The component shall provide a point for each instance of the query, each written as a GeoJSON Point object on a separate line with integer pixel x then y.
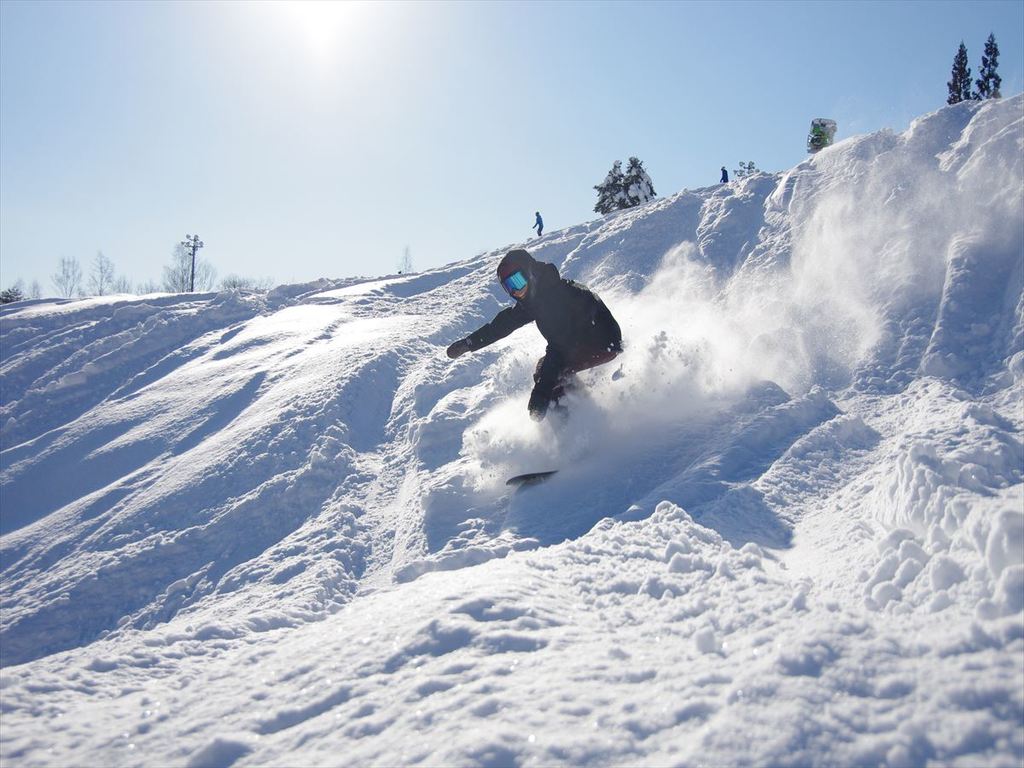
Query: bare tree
{"type": "Point", "coordinates": [68, 281]}
{"type": "Point", "coordinates": [150, 286]}
{"type": "Point", "coordinates": [121, 285]}
{"type": "Point", "coordinates": [236, 282]}
{"type": "Point", "coordinates": [405, 263]}
{"type": "Point", "coordinates": [101, 278]}
{"type": "Point", "coordinates": [36, 291]}
{"type": "Point", "coordinates": [178, 274]}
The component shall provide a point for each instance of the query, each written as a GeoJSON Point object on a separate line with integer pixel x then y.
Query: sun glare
{"type": "Point", "coordinates": [324, 26]}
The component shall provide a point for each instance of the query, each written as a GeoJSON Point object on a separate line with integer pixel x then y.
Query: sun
{"type": "Point", "coordinates": [323, 26]}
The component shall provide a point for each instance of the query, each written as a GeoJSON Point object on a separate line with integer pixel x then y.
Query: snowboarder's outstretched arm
{"type": "Point", "coordinates": [506, 321]}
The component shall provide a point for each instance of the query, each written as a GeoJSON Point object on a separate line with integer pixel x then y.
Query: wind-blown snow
{"type": "Point", "coordinates": [788, 526]}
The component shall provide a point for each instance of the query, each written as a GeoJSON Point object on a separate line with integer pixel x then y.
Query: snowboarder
{"type": "Point", "coordinates": [580, 331]}
{"type": "Point", "coordinates": [538, 224]}
{"type": "Point", "coordinates": [725, 176]}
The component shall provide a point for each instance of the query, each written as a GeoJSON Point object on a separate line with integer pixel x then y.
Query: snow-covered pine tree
{"type": "Point", "coordinates": [988, 83]}
{"type": "Point", "coordinates": [637, 184]}
{"type": "Point", "coordinates": [610, 192]}
{"type": "Point", "coordinates": [745, 169]}
{"type": "Point", "coordinates": [12, 294]}
{"type": "Point", "coordinates": [960, 84]}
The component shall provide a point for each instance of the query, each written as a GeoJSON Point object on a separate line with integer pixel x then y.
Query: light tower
{"type": "Point", "coordinates": [193, 243]}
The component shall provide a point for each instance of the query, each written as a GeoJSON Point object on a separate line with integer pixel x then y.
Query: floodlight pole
{"type": "Point", "coordinates": [193, 243]}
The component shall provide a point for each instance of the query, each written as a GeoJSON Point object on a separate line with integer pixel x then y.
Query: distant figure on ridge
{"type": "Point", "coordinates": [538, 225]}
{"type": "Point", "coordinates": [580, 331]}
{"type": "Point", "coordinates": [725, 176]}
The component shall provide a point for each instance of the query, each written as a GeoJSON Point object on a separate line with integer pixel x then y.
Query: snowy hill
{"type": "Point", "coordinates": [788, 528]}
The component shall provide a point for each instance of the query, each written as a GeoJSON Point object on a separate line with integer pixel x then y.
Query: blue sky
{"type": "Point", "coordinates": [306, 140]}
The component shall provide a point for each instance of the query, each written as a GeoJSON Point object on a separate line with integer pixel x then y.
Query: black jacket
{"type": "Point", "coordinates": [570, 316]}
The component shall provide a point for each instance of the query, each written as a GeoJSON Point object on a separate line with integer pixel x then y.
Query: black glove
{"type": "Point", "coordinates": [459, 348]}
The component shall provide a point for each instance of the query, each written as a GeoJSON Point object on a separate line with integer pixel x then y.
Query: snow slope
{"type": "Point", "coordinates": [788, 529]}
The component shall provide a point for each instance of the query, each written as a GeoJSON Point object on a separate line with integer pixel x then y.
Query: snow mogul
{"type": "Point", "coordinates": [580, 331]}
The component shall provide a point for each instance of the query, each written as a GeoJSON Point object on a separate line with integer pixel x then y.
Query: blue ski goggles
{"type": "Point", "coordinates": [514, 282]}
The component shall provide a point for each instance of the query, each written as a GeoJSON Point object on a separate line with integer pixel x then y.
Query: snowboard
{"type": "Point", "coordinates": [530, 478]}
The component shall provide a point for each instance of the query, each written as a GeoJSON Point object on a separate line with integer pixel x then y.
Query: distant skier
{"type": "Point", "coordinates": [538, 225]}
{"type": "Point", "coordinates": [725, 176]}
{"type": "Point", "coordinates": [580, 331]}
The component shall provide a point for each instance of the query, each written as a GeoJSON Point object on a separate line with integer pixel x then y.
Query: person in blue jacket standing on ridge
{"type": "Point", "coordinates": [725, 176]}
{"type": "Point", "coordinates": [538, 225]}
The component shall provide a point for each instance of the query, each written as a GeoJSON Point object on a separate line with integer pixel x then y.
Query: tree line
{"type": "Point", "coordinates": [70, 281]}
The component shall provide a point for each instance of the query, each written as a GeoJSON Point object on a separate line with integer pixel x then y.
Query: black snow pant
{"type": "Point", "coordinates": [553, 375]}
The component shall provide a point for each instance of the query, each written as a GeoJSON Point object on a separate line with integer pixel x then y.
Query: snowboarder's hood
{"type": "Point", "coordinates": [537, 272]}
{"type": "Point", "coordinates": [521, 259]}
{"type": "Point", "coordinates": [514, 261]}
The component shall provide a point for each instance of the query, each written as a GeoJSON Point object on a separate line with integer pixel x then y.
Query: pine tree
{"type": "Point", "coordinates": [12, 294]}
{"type": "Point", "coordinates": [746, 169]}
{"type": "Point", "coordinates": [610, 192]}
{"type": "Point", "coordinates": [960, 85]}
{"type": "Point", "coordinates": [637, 184]}
{"type": "Point", "coordinates": [988, 83]}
